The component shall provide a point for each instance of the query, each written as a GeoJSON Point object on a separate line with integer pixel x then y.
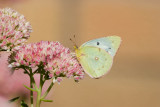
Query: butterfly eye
{"type": "Point", "coordinates": [97, 43]}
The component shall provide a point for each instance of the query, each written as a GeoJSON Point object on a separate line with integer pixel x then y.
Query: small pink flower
{"type": "Point", "coordinates": [58, 72]}
{"type": "Point", "coordinates": [50, 75]}
{"type": "Point", "coordinates": [59, 79]}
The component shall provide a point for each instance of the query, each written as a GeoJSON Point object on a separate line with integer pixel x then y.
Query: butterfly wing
{"type": "Point", "coordinates": [95, 61]}
{"type": "Point", "coordinates": [110, 44]}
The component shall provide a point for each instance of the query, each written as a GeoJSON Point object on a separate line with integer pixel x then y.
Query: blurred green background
{"type": "Point", "coordinates": [134, 80]}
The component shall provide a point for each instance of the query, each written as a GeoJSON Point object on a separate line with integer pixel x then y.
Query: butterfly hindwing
{"type": "Point", "coordinates": [95, 61]}
{"type": "Point", "coordinates": [110, 44]}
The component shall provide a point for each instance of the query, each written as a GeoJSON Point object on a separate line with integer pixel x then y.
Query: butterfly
{"type": "Point", "coordinates": [96, 56]}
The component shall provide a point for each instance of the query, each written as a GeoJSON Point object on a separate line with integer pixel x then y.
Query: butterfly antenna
{"type": "Point", "coordinates": [74, 41]}
{"type": "Point", "coordinates": [75, 46]}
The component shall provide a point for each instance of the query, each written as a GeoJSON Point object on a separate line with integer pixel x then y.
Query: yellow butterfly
{"type": "Point", "coordinates": [96, 56]}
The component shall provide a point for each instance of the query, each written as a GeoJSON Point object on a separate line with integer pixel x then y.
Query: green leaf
{"type": "Point", "coordinates": [13, 99]}
{"type": "Point", "coordinates": [46, 100]}
{"type": "Point", "coordinates": [30, 88]}
{"type": "Point", "coordinates": [23, 104]}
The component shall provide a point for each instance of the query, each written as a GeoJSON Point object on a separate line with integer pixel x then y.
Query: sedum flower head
{"type": "Point", "coordinates": [14, 29]}
{"type": "Point", "coordinates": [52, 56]}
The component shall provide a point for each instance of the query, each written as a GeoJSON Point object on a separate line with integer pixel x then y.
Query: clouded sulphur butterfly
{"type": "Point", "coordinates": [96, 56]}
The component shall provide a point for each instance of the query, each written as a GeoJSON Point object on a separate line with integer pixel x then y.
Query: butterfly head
{"type": "Point", "coordinates": [76, 49]}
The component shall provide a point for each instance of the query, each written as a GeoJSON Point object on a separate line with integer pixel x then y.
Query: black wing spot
{"type": "Point", "coordinates": [109, 48]}
{"type": "Point", "coordinates": [98, 43]}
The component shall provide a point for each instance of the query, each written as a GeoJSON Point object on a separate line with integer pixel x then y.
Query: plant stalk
{"type": "Point", "coordinates": [38, 102]}
{"type": "Point", "coordinates": [31, 86]}
{"type": "Point", "coordinates": [48, 90]}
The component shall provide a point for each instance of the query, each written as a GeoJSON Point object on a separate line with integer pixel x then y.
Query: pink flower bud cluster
{"type": "Point", "coordinates": [14, 29]}
{"type": "Point", "coordinates": [56, 59]}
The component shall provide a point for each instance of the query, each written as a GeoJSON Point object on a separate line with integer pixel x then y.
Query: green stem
{"type": "Point", "coordinates": [48, 90]}
{"type": "Point", "coordinates": [38, 102]}
{"type": "Point", "coordinates": [32, 82]}
{"type": "Point", "coordinates": [31, 89]}
{"type": "Point", "coordinates": [46, 100]}
{"type": "Point", "coordinates": [31, 86]}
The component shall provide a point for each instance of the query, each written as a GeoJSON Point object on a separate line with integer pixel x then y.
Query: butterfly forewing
{"type": "Point", "coordinates": [110, 44]}
{"type": "Point", "coordinates": [95, 61]}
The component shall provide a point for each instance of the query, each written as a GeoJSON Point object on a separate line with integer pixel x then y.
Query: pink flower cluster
{"type": "Point", "coordinates": [56, 59]}
{"type": "Point", "coordinates": [14, 29]}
